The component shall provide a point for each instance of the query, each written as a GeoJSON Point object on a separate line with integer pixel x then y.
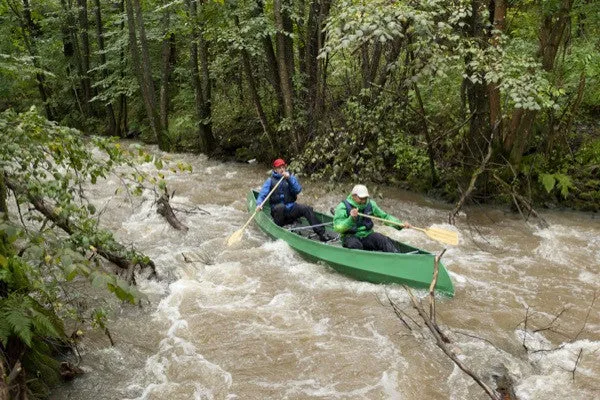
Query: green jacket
{"type": "Point", "coordinates": [342, 222]}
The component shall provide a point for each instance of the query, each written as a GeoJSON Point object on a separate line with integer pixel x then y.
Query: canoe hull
{"type": "Point", "coordinates": [415, 270]}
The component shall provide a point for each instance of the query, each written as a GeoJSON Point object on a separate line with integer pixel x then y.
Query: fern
{"type": "Point", "coordinates": [25, 318]}
{"type": "Point", "coordinates": [19, 322]}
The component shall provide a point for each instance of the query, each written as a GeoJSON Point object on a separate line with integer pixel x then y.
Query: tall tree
{"type": "Point", "coordinates": [30, 32]}
{"type": "Point", "coordinates": [85, 55]}
{"type": "Point", "coordinates": [143, 68]}
{"type": "Point", "coordinates": [113, 128]}
{"type": "Point", "coordinates": [167, 65]}
{"type": "Point", "coordinates": [201, 81]}
{"type": "Point", "coordinates": [554, 22]}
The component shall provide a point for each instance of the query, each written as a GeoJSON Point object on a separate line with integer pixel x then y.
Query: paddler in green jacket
{"type": "Point", "coordinates": [357, 231]}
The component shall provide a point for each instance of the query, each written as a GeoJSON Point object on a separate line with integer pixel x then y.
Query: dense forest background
{"type": "Point", "coordinates": [467, 100]}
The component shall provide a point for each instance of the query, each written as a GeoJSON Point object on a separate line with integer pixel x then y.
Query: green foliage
{"type": "Point", "coordinates": [47, 167]}
{"type": "Point", "coordinates": [371, 147]}
{"type": "Point", "coordinates": [519, 76]}
{"type": "Point", "coordinates": [559, 181]}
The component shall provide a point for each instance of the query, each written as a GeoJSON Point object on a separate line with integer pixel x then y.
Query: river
{"type": "Point", "coordinates": [256, 321]}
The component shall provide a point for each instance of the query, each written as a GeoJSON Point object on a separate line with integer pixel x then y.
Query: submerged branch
{"type": "Point", "coordinates": [124, 262]}
{"type": "Point", "coordinates": [520, 200]}
{"type": "Point", "coordinates": [164, 209]}
{"type": "Point", "coordinates": [442, 339]}
{"type": "Point", "coordinates": [441, 343]}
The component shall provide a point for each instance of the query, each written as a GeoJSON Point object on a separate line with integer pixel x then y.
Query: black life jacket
{"type": "Point", "coordinates": [360, 221]}
{"type": "Point", "coordinates": [283, 188]}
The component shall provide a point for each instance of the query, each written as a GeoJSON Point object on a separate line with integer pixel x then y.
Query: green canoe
{"type": "Point", "coordinates": [412, 267]}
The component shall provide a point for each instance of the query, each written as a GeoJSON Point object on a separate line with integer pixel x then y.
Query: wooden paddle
{"type": "Point", "coordinates": [237, 235]}
{"type": "Point", "coordinates": [439, 234]}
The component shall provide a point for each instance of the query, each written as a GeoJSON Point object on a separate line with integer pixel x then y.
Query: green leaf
{"type": "Point", "coordinates": [100, 280]}
{"type": "Point", "coordinates": [548, 181]}
{"type": "Point", "coordinates": [43, 325]}
{"type": "Point", "coordinates": [20, 323]}
{"type": "Point", "coordinates": [564, 183]}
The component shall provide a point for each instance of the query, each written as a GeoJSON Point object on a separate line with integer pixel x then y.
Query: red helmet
{"type": "Point", "coordinates": [278, 163]}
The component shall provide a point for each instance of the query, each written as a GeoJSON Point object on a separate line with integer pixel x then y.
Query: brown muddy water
{"type": "Point", "coordinates": [256, 321]}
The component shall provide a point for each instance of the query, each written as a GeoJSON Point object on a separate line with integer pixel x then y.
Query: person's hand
{"type": "Point", "coordinates": [259, 207]}
{"type": "Point", "coordinates": [354, 212]}
{"type": "Point", "coordinates": [286, 174]}
{"type": "Point", "coordinates": [407, 225]}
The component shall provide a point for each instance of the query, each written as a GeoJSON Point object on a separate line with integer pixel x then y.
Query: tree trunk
{"type": "Point", "coordinates": [30, 31]}
{"type": "Point", "coordinates": [551, 37]}
{"type": "Point", "coordinates": [318, 13]}
{"type": "Point", "coordinates": [499, 16]}
{"type": "Point", "coordinates": [255, 97]}
{"type": "Point", "coordinates": [282, 63]}
{"type": "Point", "coordinates": [3, 197]}
{"type": "Point", "coordinates": [72, 53]}
{"type": "Point", "coordinates": [122, 116]}
{"type": "Point", "coordinates": [430, 152]}
{"type": "Point", "coordinates": [375, 61]}
{"type": "Point", "coordinates": [381, 75]}
{"type": "Point", "coordinates": [477, 94]}
{"type": "Point", "coordinates": [208, 139]}
{"type": "Point", "coordinates": [285, 62]}
{"type": "Point", "coordinates": [3, 377]}
{"type": "Point", "coordinates": [202, 92]}
{"type": "Point", "coordinates": [272, 64]}
{"type": "Point", "coordinates": [143, 70]}
{"type": "Point", "coordinates": [110, 112]}
{"type": "Point", "coordinates": [85, 56]}
{"type": "Point", "coordinates": [301, 34]}
{"type": "Point", "coordinates": [167, 64]}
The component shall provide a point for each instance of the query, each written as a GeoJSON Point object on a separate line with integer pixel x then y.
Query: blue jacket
{"type": "Point", "coordinates": [286, 192]}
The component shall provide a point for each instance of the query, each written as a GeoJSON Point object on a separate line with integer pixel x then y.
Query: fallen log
{"type": "Point", "coordinates": [165, 209]}
{"type": "Point", "coordinates": [127, 262]}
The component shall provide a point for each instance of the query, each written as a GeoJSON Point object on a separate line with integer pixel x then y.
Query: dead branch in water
{"type": "Point", "coordinates": [521, 201]}
{"type": "Point", "coordinates": [587, 316]}
{"type": "Point", "coordinates": [442, 339]}
{"type": "Point", "coordinates": [398, 312]}
{"type": "Point", "coordinates": [68, 227]}
{"type": "Point", "coordinates": [550, 327]}
{"type": "Point", "coordinates": [478, 171]}
{"type": "Point", "coordinates": [436, 269]}
{"type": "Point", "coordinates": [576, 362]}
{"type": "Point", "coordinates": [164, 209]}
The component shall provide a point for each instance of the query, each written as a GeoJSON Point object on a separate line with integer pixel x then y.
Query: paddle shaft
{"type": "Point", "coordinates": [309, 226]}
{"type": "Point", "coordinates": [263, 203]}
{"type": "Point", "coordinates": [440, 235]}
{"type": "Point", "coordinates": [386, 221]}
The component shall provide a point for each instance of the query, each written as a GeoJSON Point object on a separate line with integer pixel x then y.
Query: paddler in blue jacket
{"type": "Point", "coordinates": [357, 231]}
{"type": "Point", "coordinates": [284, 208]}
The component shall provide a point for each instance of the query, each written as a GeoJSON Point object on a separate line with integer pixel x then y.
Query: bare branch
{"type": "Point", "coordinates": [577, 362]}
{"type": "Point", "coordinates": [586, 316]}
{"type": "Point", "coordinates": [440, 343]}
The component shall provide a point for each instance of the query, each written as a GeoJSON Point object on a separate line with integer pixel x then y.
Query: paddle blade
{"type": "Point", "coordinates": [235, 237]}
{"type": "Point", "coordinates": [442, 235]}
